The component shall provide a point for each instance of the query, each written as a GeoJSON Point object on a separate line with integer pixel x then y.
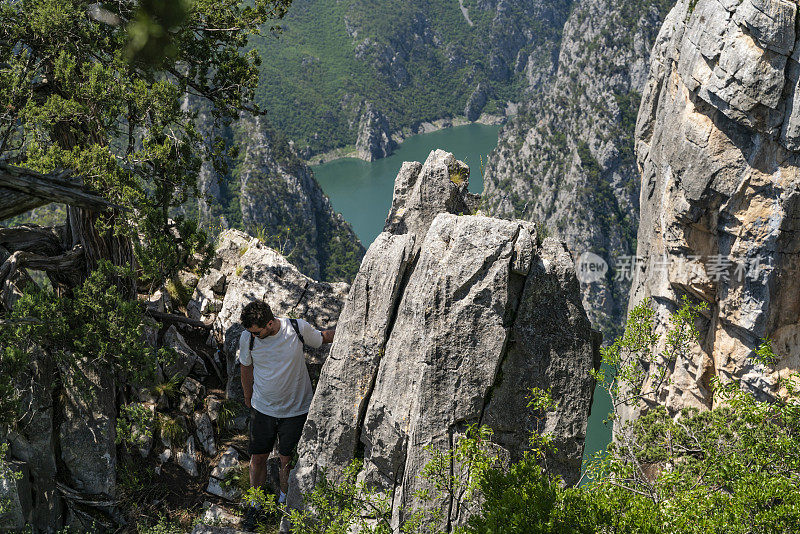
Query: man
{"type": "Point", "coordinates": [277, 388]}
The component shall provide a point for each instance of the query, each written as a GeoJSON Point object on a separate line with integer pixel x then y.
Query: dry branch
{"type": "Point", "coordinates": [171, 317]}
{"type": "Point", "coordinates": [13, 203]}
{"type": "Point", "coordinates": [69, 261]}
{"type": "Point", "coordinates": [35, 189]}
{"type": "Point", "coordinates": [30, 238]}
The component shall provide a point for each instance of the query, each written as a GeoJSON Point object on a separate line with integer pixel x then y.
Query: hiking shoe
{"type": "Point", "coordinates": [250, 518]}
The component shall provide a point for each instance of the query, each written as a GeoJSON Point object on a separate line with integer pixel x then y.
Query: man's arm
{"type": "Point", "coordinates": [247, 384]}
{"type": "Point", "coordinates": [327, 335]}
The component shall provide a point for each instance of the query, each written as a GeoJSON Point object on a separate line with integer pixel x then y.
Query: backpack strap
{"type": "Point", "coordinates": [297, 330]}
{"type": "Point", "coordinates": [294, 326]}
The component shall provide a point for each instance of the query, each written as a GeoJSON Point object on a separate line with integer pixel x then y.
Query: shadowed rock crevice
{"type": "Point", "coordinates": [362, 409]}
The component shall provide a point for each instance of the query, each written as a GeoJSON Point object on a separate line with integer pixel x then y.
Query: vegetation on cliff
{"type": "Point", "coordinates": [269, 192]}
{"type": "Point", "coordinates": [735, 468]}
{"type": "Point", "coordinates": [413, 61]}
{"type": "Point", "coordinates": [90, 113]}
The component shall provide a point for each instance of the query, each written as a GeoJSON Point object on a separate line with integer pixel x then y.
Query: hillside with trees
{"type": "Point", "coordinates": [409, 61]}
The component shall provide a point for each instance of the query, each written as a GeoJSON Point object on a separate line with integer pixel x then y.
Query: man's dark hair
{"type": "Point", "coordinates": [256, 314]}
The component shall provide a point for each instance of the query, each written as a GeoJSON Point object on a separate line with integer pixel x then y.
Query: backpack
{"type": "Point", "coordinates": [296, 331]}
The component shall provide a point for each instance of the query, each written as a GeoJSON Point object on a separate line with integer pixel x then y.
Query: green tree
{"type": "Point", "coordinates": [99, 108]}
{"type": "Point", "coordinates": [104, 93]}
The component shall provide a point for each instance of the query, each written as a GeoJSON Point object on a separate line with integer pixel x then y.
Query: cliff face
{"type": "Point", "coordinates": [566, 160]}
{"type": "Point", "coordinates": [449, 322]}
{"type": "Point", "coordinates": [374, 136]}
{"type": "Point", "coordinates": [273, 194]}
{"type": "Point", "coordinates": [717, 142]}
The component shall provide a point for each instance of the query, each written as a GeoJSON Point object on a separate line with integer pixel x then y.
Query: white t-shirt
{"type": "Point", "coordinates": [281, 385]}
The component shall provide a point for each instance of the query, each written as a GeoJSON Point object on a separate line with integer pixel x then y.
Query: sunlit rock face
{"type": "Point", "coordinates": [451, 320]}
{"type": "Point", "coordinates": [717, 139]}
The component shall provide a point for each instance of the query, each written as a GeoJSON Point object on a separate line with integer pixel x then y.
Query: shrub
{"type": "Point", "coordinates": [95, 326]}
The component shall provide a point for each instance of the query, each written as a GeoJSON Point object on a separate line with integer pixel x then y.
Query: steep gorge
{"type": "Point", "coordinates": [566, 160]}
{"type": "Point", "coordinates": [268, 191]}
{"type": "Point", "coordinates": [355, 73]}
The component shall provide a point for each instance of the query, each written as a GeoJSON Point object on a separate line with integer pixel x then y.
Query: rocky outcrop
{"type": "Point", "coordinates": [421, 192]}
{"type": "Point", "coordinates": [374, 139]}
{"type": "Point", "coordinates": [33, 447]}
{"type": "Point", "coordinates": [11, 518]}
{"type": "Point", "coordinates": [566, 159]}
{"type": "Point", "coordinates": [245, 270]}
{"type": "Point", "coordinates": [475, 103]}
{"type": "Point", "coordinates": [450, 321]}
{"type": "Point", "coordinates": [271, 193]}
{"type": "Point", "coordinates": [716, 141]}
{"type": "Point", "coordinates": [63, 445]}
{"type": "Point", "coordinates": [87, 434]}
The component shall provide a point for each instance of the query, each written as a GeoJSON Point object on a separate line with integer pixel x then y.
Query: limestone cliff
{"type": "Point", "coordinates": [450, 321]}
{"type": "Point", "coordinates": [717, 143]}
{"type": "Point", "coordinates": [374, 139]}
{"type": "Point", "coordinates": [566, 160]}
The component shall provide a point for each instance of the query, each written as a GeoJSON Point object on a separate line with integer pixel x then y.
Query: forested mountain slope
{"type": "Point", "coordinates": [337, 62]}
{"type": "Point", "coordinates": [269, 192]}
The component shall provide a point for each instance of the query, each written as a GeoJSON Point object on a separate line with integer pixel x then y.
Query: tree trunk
{"type": "Point", "coordinates": [81, 230]}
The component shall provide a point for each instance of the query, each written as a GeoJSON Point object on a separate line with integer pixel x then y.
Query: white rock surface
{"type": "Point", "coordinates": [205, 433]}
{"type": "Point", "coordinates": [227, 464]}
{"type": "Point", "coordinates": [187, 458]}
{"type": "Point", "coordinates": [441, 303]}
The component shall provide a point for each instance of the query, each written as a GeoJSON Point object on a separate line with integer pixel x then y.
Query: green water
{"type": "Point", "coordinates": [598, 433]}
{"type": "Point", "coordinates": [362, 193]}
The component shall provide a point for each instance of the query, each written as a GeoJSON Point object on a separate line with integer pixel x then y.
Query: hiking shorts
{"type": "Point", "coordinates": [264, 429]}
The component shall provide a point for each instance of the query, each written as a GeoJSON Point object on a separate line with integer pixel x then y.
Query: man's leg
{"type": "Point", "coordinates": [258, 469]}
{"type": "Point", "coordinates": [289, 432]}
{"type": "Point", "coordinates": [263, 431]}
